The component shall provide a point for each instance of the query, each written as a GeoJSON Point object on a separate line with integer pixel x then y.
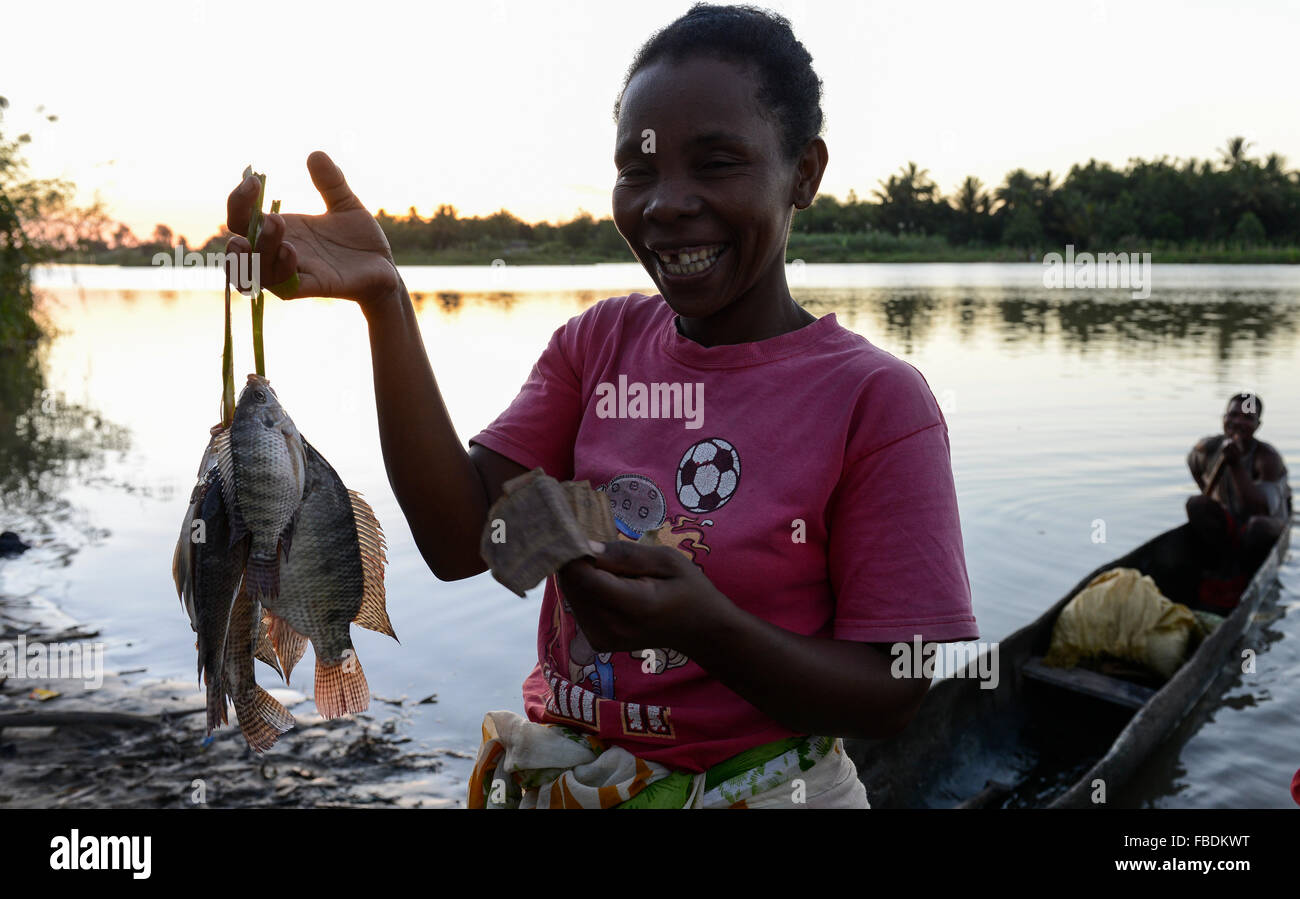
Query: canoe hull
{"type": "Point", "coordinates": [1052, 743]}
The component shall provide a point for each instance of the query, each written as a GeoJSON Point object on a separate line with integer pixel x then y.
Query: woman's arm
{"type": "Point", "coordinates": [812, 685]}
{"type": "Point", "coordinates": [627, 597]}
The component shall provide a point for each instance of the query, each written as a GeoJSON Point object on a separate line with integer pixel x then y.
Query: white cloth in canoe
{"type": "Point", "coordinates": [1122, 613]}
{"type": "Point", "coordinates": [559, 768]}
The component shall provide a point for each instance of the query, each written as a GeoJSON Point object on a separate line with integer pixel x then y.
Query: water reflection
{"type": "Point", "coordinates": [452, 302]}
{"type": "Point", "coordinates": [1018, 317]}
{"type": "Point", "coordinates": [1021, 319]}
{"type": "Point", "coordinates": [47, 445]}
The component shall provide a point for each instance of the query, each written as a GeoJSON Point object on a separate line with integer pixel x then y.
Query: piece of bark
{"type": "Point", "coordinates": [532, 531]}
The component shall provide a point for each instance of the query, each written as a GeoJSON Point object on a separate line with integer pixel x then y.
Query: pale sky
{"type": "Point", "coordinates": [504, 103]}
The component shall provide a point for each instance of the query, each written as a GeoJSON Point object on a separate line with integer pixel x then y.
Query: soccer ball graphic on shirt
{"type": "Point", "coordinates": [708, 475]}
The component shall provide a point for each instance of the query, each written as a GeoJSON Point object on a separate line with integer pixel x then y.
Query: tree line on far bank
{"type": "Point", "coordinates": [1217, 208]}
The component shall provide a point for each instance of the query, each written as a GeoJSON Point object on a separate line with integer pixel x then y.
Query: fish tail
{"type": "Point", "coordinates": [341, 687]}
{"type": "Point", "coordinates": [217, 707]}
{"type": "Point", "coordinates": [261, 718]}
{"type": "Point", "coordinates": [289, 645]}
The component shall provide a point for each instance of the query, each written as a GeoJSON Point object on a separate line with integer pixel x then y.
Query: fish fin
{"type": "Point", "coordinates": [289, 644]}
{"type": "Point", "coordinates": [296, 444]}
{"type": "Point", "coordinates": [176, 568]}
{"type": "Point", "coordinates": [265, 651]}
{"type": "Point", "coordinates": [286, 536]}
{"type": "Point", "coordinates": [373, 613]}
{"type": "Point", "coordinates": [341, 688]}
{"type": "Point", "coordinates": [262, 575]}
{"type": "Point", "coordinates": [225, 466]}
{"type": "Point", "coordinates": [262, 719]}
{"type": "Point", "coordinates": [226, 478]}
{"type": "Point", "coordinates": [190, 560]}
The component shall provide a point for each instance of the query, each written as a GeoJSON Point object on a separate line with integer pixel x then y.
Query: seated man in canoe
{"type": "Point", "coordinates": [1245, 500]}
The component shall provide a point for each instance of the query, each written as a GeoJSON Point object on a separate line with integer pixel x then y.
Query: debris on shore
{"type": "Point", "coordinates": [137, 742]}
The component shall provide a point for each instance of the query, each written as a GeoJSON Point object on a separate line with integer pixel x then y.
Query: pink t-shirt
{"type": "Point", "coordinates": [808, 475]}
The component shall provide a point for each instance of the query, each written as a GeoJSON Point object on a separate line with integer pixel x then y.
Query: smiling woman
{"type": "Point", "coordinates": [716, 656]}
{"type": "Point", "coordinates": [733, 110]}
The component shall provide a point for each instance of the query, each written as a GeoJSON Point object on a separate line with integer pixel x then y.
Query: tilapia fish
{"type": "Point", "coordinates": [216, 572]}
{"type": "Point", "coordinates": [261, 718]}
{"type": "Point", "coordinates": [263, 473]}
{"type": "Point", "coordinates": [182, 557]}
{"type": "Point", "coordinates": [208, 572]}
{"type": "Point", "coordinates": [333, 576]}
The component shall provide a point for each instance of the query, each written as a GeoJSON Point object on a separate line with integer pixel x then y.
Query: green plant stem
{"type": "Point", "coordinates": [228, 370]}
{"type": "Point", "coordinates": [258, 302]}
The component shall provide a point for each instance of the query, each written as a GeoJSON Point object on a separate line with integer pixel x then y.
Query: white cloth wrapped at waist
{"type": "Point", "coordinates": [522, 764]}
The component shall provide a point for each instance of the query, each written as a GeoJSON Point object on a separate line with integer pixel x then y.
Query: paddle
{"type": "Point", "coordinates": [1214, 474]}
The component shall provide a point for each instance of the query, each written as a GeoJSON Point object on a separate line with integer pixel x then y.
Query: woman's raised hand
{"type": "Point", "coordinates": [342, 253]}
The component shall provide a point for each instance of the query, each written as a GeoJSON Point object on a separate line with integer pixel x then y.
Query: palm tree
{"type": "Point", "coordinates": [1234, 152]}
{"type": "Point", "coordinates": [973, 205]}
{"type": "Point", "coordinates": [972, 199]}
{"type": "Point", "coordinates": [1017, 190]}
{"type": "Point", "coordinates": [903, 197]}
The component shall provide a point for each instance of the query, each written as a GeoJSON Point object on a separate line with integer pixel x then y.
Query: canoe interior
{"type": "Point", "coordinates": [1035, 737]}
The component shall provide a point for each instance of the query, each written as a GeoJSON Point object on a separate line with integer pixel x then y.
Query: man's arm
{"type": "Point", "coordinates": [1272, 482]}
{"type": "Point", "coordinates": [1271, 466]}
{"type": "Point", "coordinates": [1253, 499]}
{"type": "Point", "coordinates": [1196, 460]}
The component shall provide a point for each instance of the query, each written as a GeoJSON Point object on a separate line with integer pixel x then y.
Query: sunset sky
{"type": "Point", "coordinates": [501, 103]}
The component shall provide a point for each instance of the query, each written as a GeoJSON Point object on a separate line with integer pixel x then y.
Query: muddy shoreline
{"type": "Point", "coordinates": [140, 742]}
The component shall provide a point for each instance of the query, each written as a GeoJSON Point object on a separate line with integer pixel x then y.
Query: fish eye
{"type": "Point", "coordinates": [261, 395]}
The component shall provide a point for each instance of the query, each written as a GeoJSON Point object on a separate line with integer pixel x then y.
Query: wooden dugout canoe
{"type": "Point", "coordinates": [1043, 736]}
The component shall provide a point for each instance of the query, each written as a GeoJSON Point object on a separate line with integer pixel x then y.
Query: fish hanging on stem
{"type": "Point", "coordinates": [274, 551]}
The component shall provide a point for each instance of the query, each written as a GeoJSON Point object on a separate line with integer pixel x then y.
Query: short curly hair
{"type": "Point", "coordinates": [788, 86]}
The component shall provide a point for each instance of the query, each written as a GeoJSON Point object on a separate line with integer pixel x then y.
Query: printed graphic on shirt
{"type": "Point", "coordinates": [647, 721]}
{"type": "Point", "coordinates": [638, 506]}
{"type": "Point", "coordinates": [571, 702]}
{"type": "Point", "coordinates": [637, 503]}
{"type": "Point", "coordinates": [575, 705]}
{"type": "Point", "coordinates": [707, 477]}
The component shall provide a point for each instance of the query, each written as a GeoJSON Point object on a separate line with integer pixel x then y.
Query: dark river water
{"type": "Point", "coordinates": [1065, 408]}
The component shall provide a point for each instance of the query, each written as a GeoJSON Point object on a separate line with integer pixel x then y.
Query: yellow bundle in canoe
{"type": "Point", "coordinates": [1122, 614]}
